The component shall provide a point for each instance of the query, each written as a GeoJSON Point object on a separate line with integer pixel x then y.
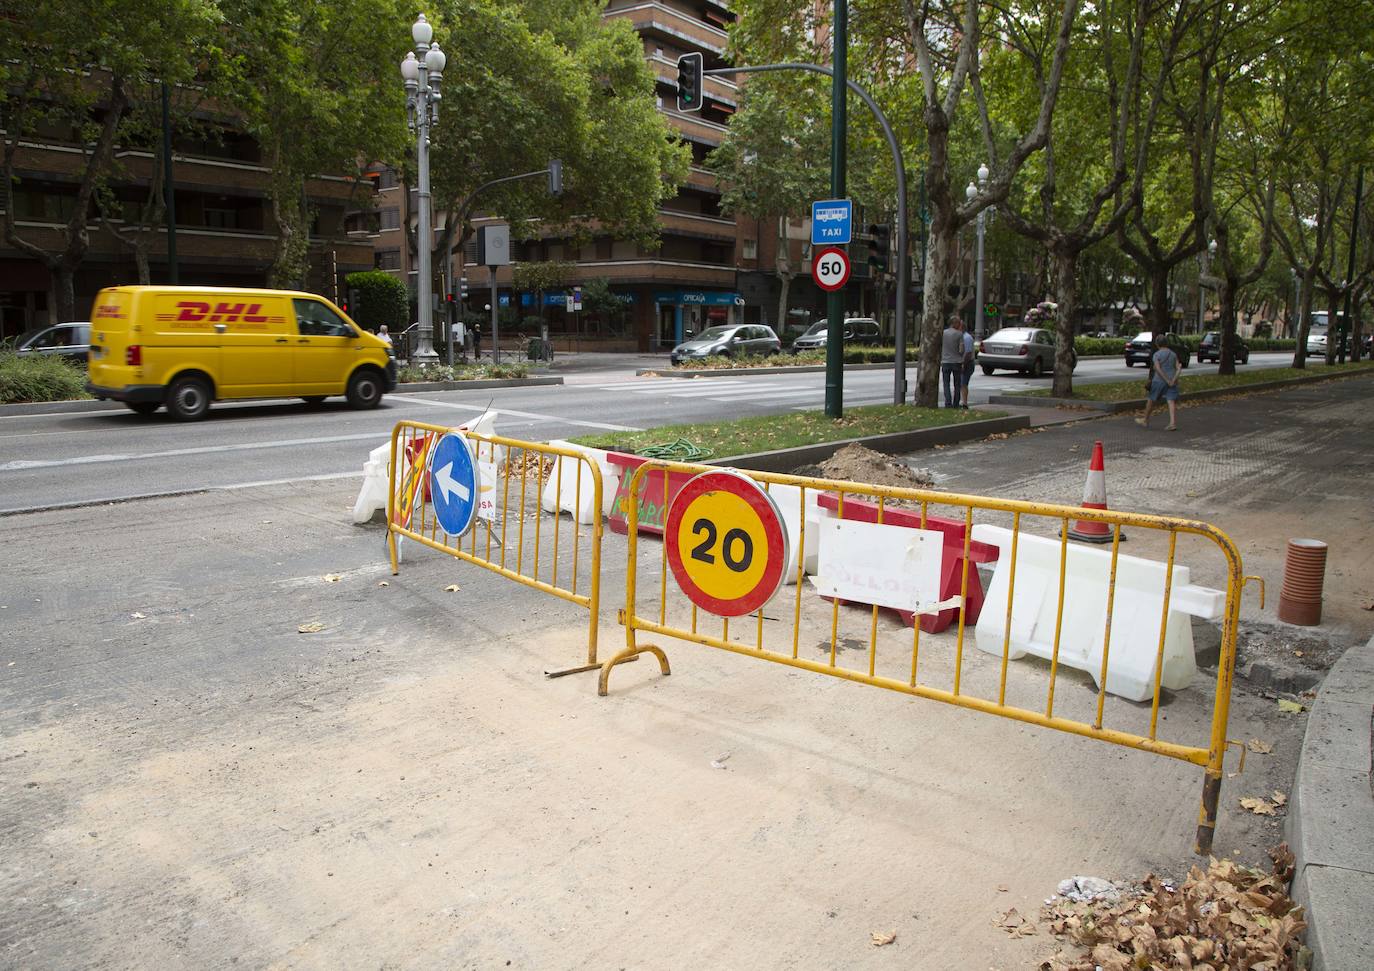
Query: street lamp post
{"type": "Point", "coordinates": [422, 75]}
{"type": "Point", "coordinates": [1297, 302]}
{"type": "Point", "coordinates": [970, 193]}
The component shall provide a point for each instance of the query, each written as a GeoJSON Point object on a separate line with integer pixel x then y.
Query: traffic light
{"type": "Point", "coordinates": [556, 177]}
{"type": "Point", "coordinates": [879, 247]}
{"type": "Point", "coordinates": [689, 73]}
{"type": "Point", "coordinates": [463, 289]}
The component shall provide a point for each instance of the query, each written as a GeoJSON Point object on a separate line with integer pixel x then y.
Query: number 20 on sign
{"type": "Point", "coordinates": [727, 546]}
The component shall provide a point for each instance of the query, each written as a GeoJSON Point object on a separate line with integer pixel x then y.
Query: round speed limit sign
{"type": "Point", "coordinates": [830, 268]}
{"type": "Point", "coordinates": [726, 543]}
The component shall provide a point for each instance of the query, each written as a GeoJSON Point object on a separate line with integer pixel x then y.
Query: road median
{"type": "Point", "coordinates": [1121, 396]}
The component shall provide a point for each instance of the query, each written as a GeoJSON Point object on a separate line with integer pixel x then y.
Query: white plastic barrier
{"type": "Point", "coordinates": [789, 503]}
{"type": "Point", "coordinates": [567, 499]}
{"type": "Point", "coordinates": [1136, 609]}
{"type": "Point", "coordinates": [372, 497]}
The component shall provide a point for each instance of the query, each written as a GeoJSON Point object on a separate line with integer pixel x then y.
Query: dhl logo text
{"type": "Point", "coordinates": [108, 310]}
{"type": "Point", "coordinates": [194, 310]}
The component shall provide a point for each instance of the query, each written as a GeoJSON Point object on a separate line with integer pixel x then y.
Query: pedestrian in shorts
{"type": "Point", "coordinates": [1163, 383]}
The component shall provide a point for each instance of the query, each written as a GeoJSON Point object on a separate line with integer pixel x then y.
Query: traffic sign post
{"type": "Point", "coordinates": [830, 268]}
{"type": "Point", "coordinates": [455, 484]}
{"type": "Point", "coordinates": [727, 546]}
{"type": "Point", "coordinates": [832, 222]}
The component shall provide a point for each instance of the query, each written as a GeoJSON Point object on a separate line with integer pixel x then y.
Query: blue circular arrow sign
{"type": "Point", "coordinates": [454, 484]}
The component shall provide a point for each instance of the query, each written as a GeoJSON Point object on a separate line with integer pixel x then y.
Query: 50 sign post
{"type": "Point", "coordinates": [726, 543]}
{"type": "Point", "coordinates": [830, 268]}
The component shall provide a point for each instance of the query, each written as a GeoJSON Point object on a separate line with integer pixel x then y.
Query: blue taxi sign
{"type": "Point", "coordinates": [832, 222]}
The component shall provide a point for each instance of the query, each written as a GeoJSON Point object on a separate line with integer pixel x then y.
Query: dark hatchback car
{"type": "Point", "coordinates": [1210, 348]}
{"type": "Point", "coordinates": [1141, 349]}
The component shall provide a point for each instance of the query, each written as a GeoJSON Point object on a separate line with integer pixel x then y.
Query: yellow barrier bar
{"type": "Point", "coordinates": [1211, 757]}
{"type": "Point", "coordinates": [1163, 631]}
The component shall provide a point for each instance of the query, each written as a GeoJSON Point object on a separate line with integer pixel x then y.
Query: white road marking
{"type": "Point", "coordinates": [725, 394]}
{"type": "Point", "coordinates": [22, 464]}
{"type": "Point", "coordinates": [518, 414]}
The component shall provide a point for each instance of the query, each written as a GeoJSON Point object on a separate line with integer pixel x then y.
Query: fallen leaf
{"type": "Point", "coordinates": [879, 940]}
{"type": "Point", "coordinates": [1002, 888]}
{"type": "Point", "coordinates": [719, 761]}
{"type": "Point", "coordinates": [1292, 707]}
{"type": "Point", "coordinates": [1297, 654]}
{"type": "Point", "coordinates": [137, 616]}
{"type": "Point", "coordinates": [1257, 806]}
{"type": "Point", "coordinates": [383, 583]}
{"type": "Point", "coordinates": [312, 628]}
{"type": "Point", "coordinates": [1280, 798]}
{"type": "Point", "coordinates": [1259, 746]}
{"type": "Point", "coordinates": [452, 588]}
{"type": "Point", "coordinates": [1016, 925]}
{"type": "Point", "coordinates": [332, 578]}
{"type": "Point", "coordinates": [1369, 606]}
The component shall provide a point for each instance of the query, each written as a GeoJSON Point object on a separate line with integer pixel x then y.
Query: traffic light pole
{"type": "Point", "coordinates": [903, 260]}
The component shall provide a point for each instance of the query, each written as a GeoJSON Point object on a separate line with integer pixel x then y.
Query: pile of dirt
{"type": "Point", "coordinates": [1227, 917]}
{"type": "Point", "coordinates": [855, 463]}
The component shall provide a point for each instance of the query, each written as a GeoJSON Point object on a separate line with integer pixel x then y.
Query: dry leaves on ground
{"type": "Point", "coordinates": [880, 940]}
{"type": "Point", "coordinates": [332, 578]}
{"type": "Point", "coordinates": [383, 583]}
{"type": "Point", "coordinates": [452, 588]}
{"type": "Point", "coordinates": [137, 615]}
{"type": "Point", "coordinates": [1259, 746]}
{"type": "Point", "coordinates": [1292, 707]}
{"type": "Point", "coordinates": [1015, 924]}
{"type": "Point", "coordinates": [1258, 806]}
{"type": "Point", "coordinates": [1229, 917]}
{"type": "Point", "coordinates": [312, 628]}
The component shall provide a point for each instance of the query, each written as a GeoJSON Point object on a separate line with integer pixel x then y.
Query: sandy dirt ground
{"type": "Point", "coordinates": [191, 783]}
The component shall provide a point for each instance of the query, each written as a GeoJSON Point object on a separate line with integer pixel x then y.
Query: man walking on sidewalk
{"type": "Point", "coordinates": [1163, 383]}
{"type": "Point", "coordinates": [967, 374]}
{"type": "Point", "coordinates": [952, 360]}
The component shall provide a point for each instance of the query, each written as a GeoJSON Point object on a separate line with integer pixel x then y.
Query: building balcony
{"type": "Point", "coordinates": [694, 129]}
{"type": "Point", "coordinates": [703, 180]}
{"type": "Point", "coordinates": [696, 225]}
{"type": "Point", "coordinates": [658, 20]}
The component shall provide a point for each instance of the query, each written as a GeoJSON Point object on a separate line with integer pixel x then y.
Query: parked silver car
{"type": "Point", "coordinates": [857, 330]}
{"type": "Point", "coordinates": [1029, 350]}
{"type": "Point", "coordinates": [728, 341]}
{"type": "Point", "coordinates": [70, 341]}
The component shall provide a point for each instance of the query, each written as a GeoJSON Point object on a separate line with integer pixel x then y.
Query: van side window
{"type": "Point", "coordinates": [316, 320]}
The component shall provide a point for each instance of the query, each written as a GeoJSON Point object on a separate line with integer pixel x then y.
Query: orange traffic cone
{"type": "Point", "coordinates": [1094, 497]}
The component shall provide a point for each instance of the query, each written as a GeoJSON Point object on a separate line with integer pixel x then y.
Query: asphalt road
{"type": "Point", "coordinates": [78, 457]}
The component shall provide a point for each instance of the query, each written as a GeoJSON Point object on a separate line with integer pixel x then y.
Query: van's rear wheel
{"type": "Point", "coordinates": [365, 389]}
{"type": "Point", "coordinates": [188, 399]}
{"type": "Point", "coordinates": [143, 407]}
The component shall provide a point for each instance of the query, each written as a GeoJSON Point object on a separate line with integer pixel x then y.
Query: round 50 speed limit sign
{"type": "Point", "coordinates": [726, 543]}
{"type": "Point", "coordinates": [830, 268]}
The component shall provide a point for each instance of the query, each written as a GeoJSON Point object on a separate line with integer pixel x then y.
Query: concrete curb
{"type": "Point", "coordinates": [668, 372]}
{"type": "Point", "coordinates": [787, 459]}
{"type": "Point", "coordinates": [91, 404]}
{"type": "Point", "coordinates": [475, 385]}
{"type": "Point", "coordinates": [1112, 407]}
{"type": "Point", "coordinates": [1331, 817]}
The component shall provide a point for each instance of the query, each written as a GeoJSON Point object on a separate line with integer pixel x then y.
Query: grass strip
{"type": "Point", "coordinates": [1135, 389]}
{"type": "Point", "coordinates": [765, 433]}
{"type": "Point", "coordinates": [40, 378]}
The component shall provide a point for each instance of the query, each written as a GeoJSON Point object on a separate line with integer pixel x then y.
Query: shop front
{"type": "Point", "coordinates": [681, 313]}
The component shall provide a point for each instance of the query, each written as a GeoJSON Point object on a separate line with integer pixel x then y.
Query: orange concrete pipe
{"type": "Point", "coordinates": [1304, 572]}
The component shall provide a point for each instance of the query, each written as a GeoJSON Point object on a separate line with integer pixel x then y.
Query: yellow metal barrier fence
{"type": "Point", "coordinates": [513, 539]}
{"type": "Point", "coordinates": [673, 616]}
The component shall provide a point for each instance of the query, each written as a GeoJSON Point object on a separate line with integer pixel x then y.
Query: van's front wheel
{"type": "Point", "coordinates": [365, 389]}
{"type": "Point", "coordinates": [188, 399]}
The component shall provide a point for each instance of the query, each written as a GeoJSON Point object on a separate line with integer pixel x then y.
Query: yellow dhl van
{"type": "Point", "coordinates": [184, 347]}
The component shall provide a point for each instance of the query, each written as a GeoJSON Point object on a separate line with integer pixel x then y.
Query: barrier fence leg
{"type": "Point", "coordinates": [1221, 708]}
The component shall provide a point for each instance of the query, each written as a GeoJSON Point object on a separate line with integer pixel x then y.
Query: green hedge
{"type": "Point", "coordinates": [39, 378]}
{"type": "Point", "coordinates": [1086, 346]}
{"type": "Point", "coordinates": [378, 298]}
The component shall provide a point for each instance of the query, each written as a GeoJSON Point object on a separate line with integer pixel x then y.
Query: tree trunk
{"type": "Point", "coordinates": [932, 317]}
{"type": "Point", "coordinates": [1066, 292]}
{"type": "Point", "coordinates": [782, 264]}
{"type": "Point", "coordinates": [145, 275]}
{"type": "Point", "coordinates": [64, 285]}
{"type": "Point", "coordinates": [1356, 327]}
{"type": "Point", "coordinates": [1160, 316]}
{"type": "Point", "coordinates": [1333, 327]}
{"type": "Point", "coordinates": [1226, 307]}
{"type": "Point", "coordinates": [1304, 320]}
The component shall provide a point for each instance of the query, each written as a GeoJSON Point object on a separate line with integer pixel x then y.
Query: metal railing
{"type": "Point", "coordinates": [515, 535]}
{"type": "Point", "coordinates": [939, 668]}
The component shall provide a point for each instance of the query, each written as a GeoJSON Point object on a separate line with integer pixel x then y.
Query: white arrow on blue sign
{"type": "Point", "coordinates": [832, 222]}
{"type": "Point", "coordinates": [455, 484]}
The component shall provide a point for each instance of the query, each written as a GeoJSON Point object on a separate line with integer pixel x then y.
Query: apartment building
{"type": "Point", "coordinates": [225, 233]}
{"type": "Point", "coordinates": [708, 269]}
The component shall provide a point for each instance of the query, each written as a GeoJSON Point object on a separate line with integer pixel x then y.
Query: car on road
{"type": "Point", "coordinates": [857, 330]}
{"type": "Point", "coordinates": [69, 341]}
{"type": "Point", "coordinates": [730, 340]}
{"type": "Point", "coordinates": [184, 347]}
{"type": "Point", "coordinates": [1141, 349]}
{"type": "Point", "coordinates": [1029, 350]}
{"type": "Point", "coordinates": [1210, 348]}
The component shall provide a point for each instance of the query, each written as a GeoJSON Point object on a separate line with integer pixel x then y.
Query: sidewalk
{"type": "Point", "coordinates": [1331, 821]}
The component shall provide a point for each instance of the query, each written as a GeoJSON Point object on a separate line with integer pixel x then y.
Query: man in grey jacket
{"type": "Point", "coordinates": [952, 360]}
